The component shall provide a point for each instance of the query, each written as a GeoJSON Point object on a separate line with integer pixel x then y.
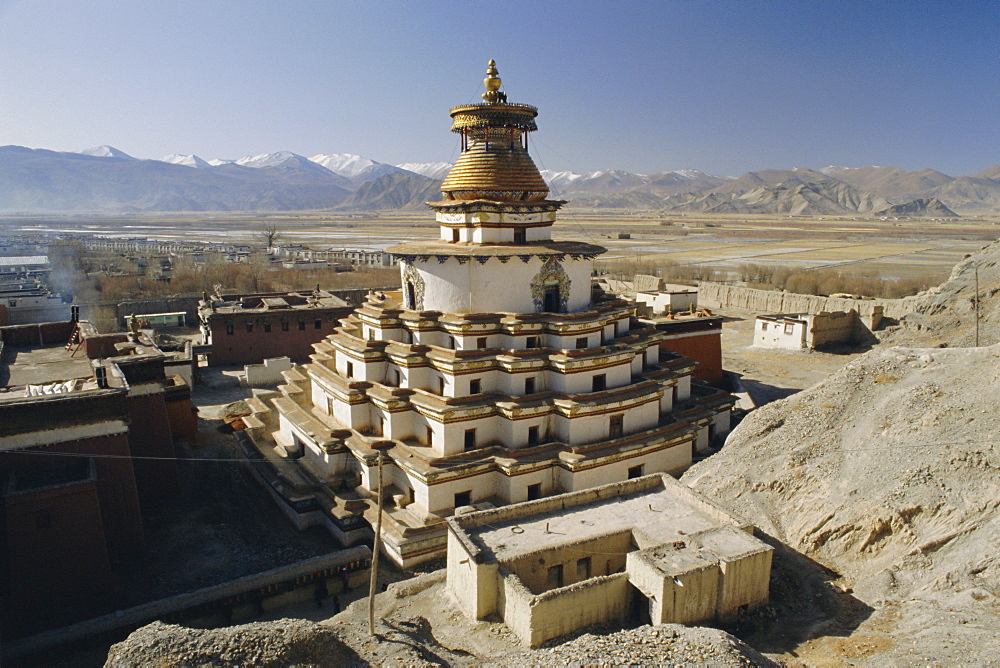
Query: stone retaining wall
{"type": "Point", "coordinates": [717, 295]}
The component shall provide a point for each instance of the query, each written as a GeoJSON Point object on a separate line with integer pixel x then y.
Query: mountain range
{"type": "Point", "coordinates": [106, 179]}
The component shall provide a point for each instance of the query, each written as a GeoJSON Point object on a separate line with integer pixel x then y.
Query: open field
{"type": "Point", "coordinates": [891, 248]}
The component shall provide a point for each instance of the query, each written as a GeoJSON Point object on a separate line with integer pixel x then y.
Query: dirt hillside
{"type": "Point", "coordinates": [888, 473]}
{"type": "Point", "coordinates": [945, 315]}
{"type": "Point", "coordinates": [419, 625]}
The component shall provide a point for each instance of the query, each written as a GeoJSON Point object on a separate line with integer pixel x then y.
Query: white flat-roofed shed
{"type": "Point", "coordinates": [554, 565]}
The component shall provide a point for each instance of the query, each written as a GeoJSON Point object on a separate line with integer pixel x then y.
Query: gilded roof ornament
{"type": "Point", "coordinates": [492, 82]}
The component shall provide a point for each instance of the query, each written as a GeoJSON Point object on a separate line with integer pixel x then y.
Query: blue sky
{"type": "Point", "coordinates": [724, 87]}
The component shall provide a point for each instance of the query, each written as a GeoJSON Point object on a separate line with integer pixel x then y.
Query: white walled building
{"type": "Point", "coordinates": [496, 375]}
{"type": "Point", "coordinates": [650, 545]}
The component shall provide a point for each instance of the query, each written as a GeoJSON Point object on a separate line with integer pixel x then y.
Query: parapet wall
{"type": "Point", "coordinates": [535, 619]}
{"type": "Point", "coordinates": [717, 295]}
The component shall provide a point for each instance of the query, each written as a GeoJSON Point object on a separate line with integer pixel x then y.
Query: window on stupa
{"type": "Point", "coordinates": [600, 383]}
{"type": "Point", "coordinates": [616, 426]}
{"type": "Point", "coordinates": [636, 471]}
{"type": "Point", "coordinates": [470, 439]}
{"type": "Point", "coordinates": [529, 385]}
{"type": "Point", "coordinates": [581, 342]}
{"type": "Point", "coordinates": [532, 435]}
{"type": "Point", "coordinates": [534, 491]}
{"type": "Point", "coordinates": [520, 236]}
{"type": "Point", "coordinates": [475, 386]}
{"type": "Point", "coordinates": [481, 342]}
{"type": "Point", "coordinates": [463, 498]}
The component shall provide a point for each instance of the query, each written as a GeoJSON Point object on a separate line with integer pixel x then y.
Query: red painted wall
{"type": "Point", "coordinates": [253, 346]}
{"type": "Point", "coordinates": [59, 569]}
{"type": "Point", "coordinates": [150, 435]}
{"type": "Point", "coordinates": [706, 349]}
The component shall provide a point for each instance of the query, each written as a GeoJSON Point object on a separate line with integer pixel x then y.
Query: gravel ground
{"type": "Point", "coordinates": [221, 525]}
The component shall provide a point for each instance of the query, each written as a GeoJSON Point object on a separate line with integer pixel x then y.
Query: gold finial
{"type": "Point", "coordinates": [492, 83]}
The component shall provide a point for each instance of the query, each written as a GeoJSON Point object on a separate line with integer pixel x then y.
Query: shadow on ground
{"type": "Point", "coordinates": [804, 604]}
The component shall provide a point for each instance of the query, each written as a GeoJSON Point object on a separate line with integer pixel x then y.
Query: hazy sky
{"type": "Point", "coordinates": [723, 87]}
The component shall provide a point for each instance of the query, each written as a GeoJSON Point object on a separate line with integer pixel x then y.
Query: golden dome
{"type": "Point", "coordinates": [494, 164]}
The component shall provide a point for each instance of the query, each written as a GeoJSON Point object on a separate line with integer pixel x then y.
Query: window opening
{"type": "Point", "coordinates": [532, 435]}
{"type": "Point", "coordinates": [229, 328]}
{"type": "Point", "coordinates": [475, 386]}
{"type": "Point", "coordinates": [635, 471]}
{"type": "Point", "coordinates": [550, 302]}
{"type": "Point", "coordinates": [529, 385]}
{"type": "Point", "coordinates": [470, 439]}
{"type": "Point", "coordinates": [463, 498]}
{"type": "Point", "coordinates": [581, 342]}
{"type": "Point", "coordinates": [600, 382]}
{"type": "Point", "coordinates": [534, 491]}
{"type": "Point", "coordinates": [411, 295]}
{"type": "Point", "coordinates": [554, 579]}
{"type": "Point", "coordinates": [617, 426]}
{"type": "Point", "coordinates": [532, 342]}
{"type": "Point", "coordinates": [481, 342]}
{"type": "Point", "coordinates": [583, 568]}
{"type": "Point", "coordinates": [520, 236]}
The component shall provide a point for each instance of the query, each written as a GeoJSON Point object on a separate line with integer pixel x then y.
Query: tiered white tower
{"type": "Point", "coordinates": [496, 375]}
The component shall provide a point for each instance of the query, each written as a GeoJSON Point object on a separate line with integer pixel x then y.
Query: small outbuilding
{"type": "Point", "coordinates": [811, 331]}
{"type": "Point", "coordinates": [648, 548]}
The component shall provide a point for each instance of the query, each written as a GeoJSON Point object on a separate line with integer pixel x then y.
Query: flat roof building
{"type": "Point", "coordinates": [649, 545]}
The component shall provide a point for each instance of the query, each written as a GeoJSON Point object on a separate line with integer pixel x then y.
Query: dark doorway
{"type": "Point", "coordinates": [534, 491]}
{"type": "Point", "coordinates": [616, 426]}
{"type": "Point", "coordinates": [551, 304]}
{"type": "Point", "coordinates": [463, 498]}
{"type": "Point", "coordinates": [638, 607]}
{"type": "Point", "coordinates": [411, 295]}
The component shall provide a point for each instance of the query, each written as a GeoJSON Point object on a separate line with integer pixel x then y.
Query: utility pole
{"type": "Point", "coordinates": [373, 583]}
{"type": "Point", "coordinates": [977, 306]}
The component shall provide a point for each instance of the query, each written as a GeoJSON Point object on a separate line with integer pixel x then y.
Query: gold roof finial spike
{"type": "Point", "coordinates": [492, 83]}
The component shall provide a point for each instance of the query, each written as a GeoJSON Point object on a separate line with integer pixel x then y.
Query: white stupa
{"type": "Point", "coordinates": [496, 375]}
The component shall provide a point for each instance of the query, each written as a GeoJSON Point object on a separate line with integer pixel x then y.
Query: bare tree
{"type": "Point", "coordinates": [269, 234]}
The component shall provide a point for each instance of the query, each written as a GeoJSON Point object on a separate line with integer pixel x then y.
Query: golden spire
{"type": "Point", "coordinates": [492, 83]}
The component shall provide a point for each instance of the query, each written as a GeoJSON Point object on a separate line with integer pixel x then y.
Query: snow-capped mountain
{"type": "Point", "coordinates": [281, 159]}
{"type": "Point", "coordinates": [432, 170]}
{"type": "Point", "coordinates": [186, 160]}
{"type": "Point", "coordinates": [354, 167]}
{"type": "Point", "coordinates": [215, 162]}
{"type": "Point", "coordinates": [105, 151]}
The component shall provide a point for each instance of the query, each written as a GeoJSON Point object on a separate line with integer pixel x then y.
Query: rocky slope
{"type": "Point", "coordinates": [887, 472]}
{"type": "Point", "coordinates": [418, 626]}
{"type": "Point", "coordinates": [945, 315]}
